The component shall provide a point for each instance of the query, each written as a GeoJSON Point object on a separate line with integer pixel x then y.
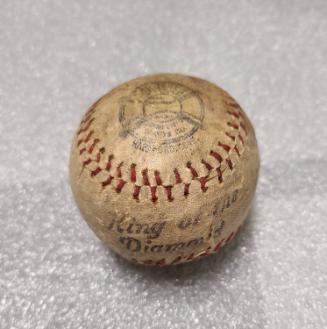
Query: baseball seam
{"type": "Point", "coordinates": [92, 152]}
{"type": "Point", "coordinates": [209, 251]}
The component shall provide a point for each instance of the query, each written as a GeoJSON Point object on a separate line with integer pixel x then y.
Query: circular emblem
{"type": "Point", "coordinates": [159, 114]}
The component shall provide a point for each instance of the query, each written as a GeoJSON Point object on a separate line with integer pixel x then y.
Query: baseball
{"type": "Point", "coordinates": [164, 168]}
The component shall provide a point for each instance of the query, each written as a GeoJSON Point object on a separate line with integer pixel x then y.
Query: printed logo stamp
{"type": "Point", "coordinates": [161, 116]}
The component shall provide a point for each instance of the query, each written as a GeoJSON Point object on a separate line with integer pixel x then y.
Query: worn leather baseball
{"type": "Point", "coordinates": [164, 168]}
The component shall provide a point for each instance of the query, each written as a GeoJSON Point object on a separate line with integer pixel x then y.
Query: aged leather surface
{"type": "Point", "coordinates": [164, 168]}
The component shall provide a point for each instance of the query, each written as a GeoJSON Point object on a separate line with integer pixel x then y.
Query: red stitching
{"type": "Point", "coordinates": [238, 229]}
{"type": "Point", "coordinates": [157, 177]}
{"type": "Point", "coordinates": [225, 147]}
{"type": "Point", "coordinates": [237, 150]}
{"type": "Point", "coordinates": [177, 176]}
{"type": "Point", "coordinates": [230, 237]}
{"type": "Point", "coordinates": [193, 171]}
{"type": "Point", "coordinates": [145, 177]}
{"type": "Point", "coordinates": [89, 136]}
{"type": "Point", "coordinates": [210, 231]}
{"type": "Point", "coordinates": [241, 113]}
{"type": "Point", "coordinates": [153, 190]}
{"type": "Point", "coordinates": [190, 257]}
{"type": "Point", "coordinates": [91, 108]}
{"type": "Point", "coordinates": [217, 156]}
{"type": "Point", "coordinates": [107, 181]}
{"type": "Point", "coordinates": [87, 162]}
{"type": "Point", "coordinates": [95, 142]}
{"type": "Point", "coordinates": [161, 262]}
{"type": "Point", "coordinates": [230, 163]}
{"type": "Point", "coordinates": [95, 171]}
{"type": "Point", "coordinates": [136, 193]}
{"type": "Point", "coordinates": [203, 182]}
{"type": "Point", "coordinates": [205, 253]}
{"type": "Point", "coordinates": [233, 104]}
{"type": "Point", "coordinates": [133, 172]}
{"type": "Point", "coordinates": [85, 127]}
{"type": "Point", "coordinates": [233, 125]}
{"type": "Point", "coordinates": [168, 191]}
{"type": "Point", "coordinates": [176, 260]}
{"type": "Point", "coordinates": [108, 165]}
{"type": "Point", "coordinates": [87, 117]}
{"type": "Point", "coordinates": [220, 175]}
{"type": "Point", "coordinates": [118, 170]}
{"type": "Point", "coordinates": [186, 189]}
{"type": "Point", "coordinates": [207, 165]}
{"type": "Point", "coordinates": [86, 139]}
{"type": "Point", "coordinates": [219, 245]}
{"type": "Point", "coordinates": [209, 251]}
{"type": "Point", "coordinates": [234, 114]}
{"type": "Point", "coordinates": [233, 138]}
{"type": "Point", "coordinates": [121, 183]}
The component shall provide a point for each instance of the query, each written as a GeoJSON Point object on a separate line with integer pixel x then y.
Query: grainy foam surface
{"type": "Point", "coordinates": [57, 57]}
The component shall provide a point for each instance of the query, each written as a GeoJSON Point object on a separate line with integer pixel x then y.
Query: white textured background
{"type": "Point", "coordinates": [57, 57]}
